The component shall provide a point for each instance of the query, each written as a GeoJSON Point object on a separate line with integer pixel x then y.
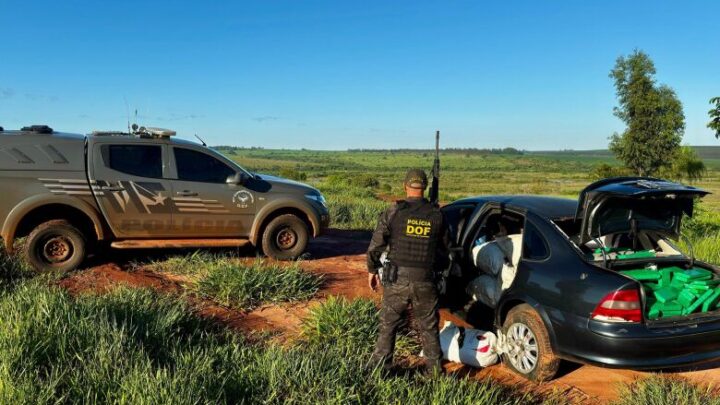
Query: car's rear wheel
{"type": "Point", "coordinates": [530, 353]}
{"type": "Point", "coordinates": [55, 246]}
{"type": "Point", "coordinates": [285, 237]}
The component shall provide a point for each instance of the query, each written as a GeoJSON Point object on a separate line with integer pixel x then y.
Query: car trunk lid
{"type": "Point", "coordinates": [633, 204]}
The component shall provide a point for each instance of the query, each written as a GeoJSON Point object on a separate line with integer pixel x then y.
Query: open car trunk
{"type": "Point", "coordinates": [626, 226]}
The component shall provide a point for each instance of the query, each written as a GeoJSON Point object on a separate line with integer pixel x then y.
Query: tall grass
{"type": "Point", "coordinates": [662, 390]}
{"type": "Point", "coordinates": [248, 285]}
{"type": "Point", "coordinates": [234, 282]}
{"type": "Point", "coordinates": [13, 268]}
{"type": "Point", "coordinates": [338, 321]}
{"type": "Point", "coordinates": [135, 346]}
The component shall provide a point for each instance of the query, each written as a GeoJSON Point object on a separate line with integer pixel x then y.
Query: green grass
{"type": "Point", "coordinates": [135, 346]}
{"type": "Point", "coordinates": [338, 321]}
{"type": "Point", "coordinates": [232, 282]}
{"type": "Point", "coordinates": [249, 285]}
{"type": "Point", "coordinates": [662, 390]}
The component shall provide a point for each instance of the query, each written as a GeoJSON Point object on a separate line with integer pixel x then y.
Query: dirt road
{"type": "Point", "coordinates": [339, 257]}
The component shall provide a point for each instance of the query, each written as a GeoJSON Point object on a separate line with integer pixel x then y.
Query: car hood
{"type": "Point", "coordinates": [627, 204]}
{"type": "Point", "coordinates": [287, 183]}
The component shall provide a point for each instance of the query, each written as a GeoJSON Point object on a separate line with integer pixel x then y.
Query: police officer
{"type": "Point", "coordinates": [415, 237]}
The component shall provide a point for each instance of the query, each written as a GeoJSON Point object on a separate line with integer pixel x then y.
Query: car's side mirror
{"type": "Point", "coordinates": [237, 178]}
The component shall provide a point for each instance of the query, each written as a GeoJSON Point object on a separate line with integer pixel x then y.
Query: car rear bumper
{"type": "Point", "coordinates": [640, 347]}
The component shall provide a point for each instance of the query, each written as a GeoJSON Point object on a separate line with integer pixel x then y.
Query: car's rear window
{"type": "Point", "coordinates": [135, 160]}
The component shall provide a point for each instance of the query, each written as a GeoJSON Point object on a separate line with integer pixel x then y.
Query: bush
{"type": "Point", "coordinates": [604, 171]}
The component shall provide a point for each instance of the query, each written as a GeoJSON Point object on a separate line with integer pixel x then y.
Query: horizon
{"type": "Point", "coordinates": [323, 75]}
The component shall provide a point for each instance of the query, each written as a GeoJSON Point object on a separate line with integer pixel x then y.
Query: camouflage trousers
{"type": "Point", "coordinates": [396, 297]}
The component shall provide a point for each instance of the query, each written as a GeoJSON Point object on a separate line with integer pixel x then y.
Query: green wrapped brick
{"type": "Point", "coordinates": [642, 275]}
{"type": "Point", "coordinates": [711, 301]}
{"type": "Point", "coordinates": [655, 310]}
{"type": "Point", "coordinates": [643, 254]}
{"type": "Point", "coordinates": [697, 288]}
{"type": "Point", "coordinates": [672, 306]}
{"type": "Point", "coordinates": [693, 274]}
{"type": "Point", "coordinates": [667, 314]}
{"type": "Point", "coordinates": [666, 294]}
{"type": "Point", "coordinates": [686, 298]}
{"type": "Point", "coordinates": [689, 310]}
{"type": "Point", "coordinates": [709, 283]}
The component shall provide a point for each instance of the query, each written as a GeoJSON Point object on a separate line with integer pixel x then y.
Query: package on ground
{"type": "Point", "coordinates": [473, 347]}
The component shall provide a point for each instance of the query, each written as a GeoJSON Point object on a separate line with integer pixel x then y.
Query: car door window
{"type": "Point", "coordinates": [135, 160]}
{"type": "Point", "coordinates": [197, 166]}
{"type": "Point", "coordinates": [456, 217]}
{"type": "Point", "coordinates": [534, 245]}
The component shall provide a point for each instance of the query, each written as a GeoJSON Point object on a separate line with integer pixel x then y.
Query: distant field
{"type": "Point", "coordinates": [560, 173]}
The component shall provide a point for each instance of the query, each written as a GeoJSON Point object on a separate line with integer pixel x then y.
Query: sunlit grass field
{"type": "Point", "coordinates": [140, 346]}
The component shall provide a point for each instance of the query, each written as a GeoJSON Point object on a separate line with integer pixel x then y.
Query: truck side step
{"type": "Point", "coordinates": [178, 243]}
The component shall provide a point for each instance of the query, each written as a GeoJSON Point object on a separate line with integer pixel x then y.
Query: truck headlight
{"type": "Point", "coordinates": [318, 198]}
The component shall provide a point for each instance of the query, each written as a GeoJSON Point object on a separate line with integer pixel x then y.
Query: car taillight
{"type": "Point", "coordinates": [619, 306]}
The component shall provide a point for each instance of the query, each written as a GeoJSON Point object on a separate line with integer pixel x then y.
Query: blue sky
{"type": "Point", "coordinates": [350, 74]}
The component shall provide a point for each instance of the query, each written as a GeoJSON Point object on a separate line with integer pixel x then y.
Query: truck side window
{"type": "Point", "coordinates": [534, 245]}
{"type": "Point", "coordinates": [198, 166]}
{"type": "Point", "coordinates": [135, 160]}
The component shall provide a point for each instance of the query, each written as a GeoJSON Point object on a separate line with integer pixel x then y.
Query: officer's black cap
{"type": "Point", "coordinates": [416, 178]}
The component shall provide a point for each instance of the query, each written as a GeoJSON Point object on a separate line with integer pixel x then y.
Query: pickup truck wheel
{"type": "Point", "coordinates": [285, 237]}
{"type": "Point", "coordinates": [530, 353]}
{"type": "Point", "coordinates": [55, 246]}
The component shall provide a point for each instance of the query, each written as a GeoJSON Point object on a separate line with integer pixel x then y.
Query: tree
{"type": "Point", "coordinates": [687, 165]}
{"type": "Point", "coordinates": [714, 114]}
{"type": "Point", "coordinates": [653, 115]}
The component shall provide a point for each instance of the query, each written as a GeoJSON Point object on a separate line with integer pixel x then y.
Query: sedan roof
{"type": "Point", "coordinates": [549, 207]}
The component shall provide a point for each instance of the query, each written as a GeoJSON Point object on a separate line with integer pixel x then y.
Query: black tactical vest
{"type": "Point", "coordinates": [414, 233]}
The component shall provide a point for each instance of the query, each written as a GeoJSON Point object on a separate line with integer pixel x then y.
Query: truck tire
{"type": "Point", "coordinates": [531, 354]}
{"type": "Point", "coordinates": [55, 246]}
{"type": "Point", "coordinates": [285, 237]}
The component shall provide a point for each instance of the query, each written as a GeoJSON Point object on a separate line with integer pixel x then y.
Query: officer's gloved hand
{"type": "Point", "coordinates": [480, 241]}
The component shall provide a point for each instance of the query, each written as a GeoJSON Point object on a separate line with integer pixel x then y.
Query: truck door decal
{"type": "Point", "coordinates": [194, 204]}
{"type": "Point", "coordinates": [149, 198]}
{"type": "Point", "coordinates": [71, 186]}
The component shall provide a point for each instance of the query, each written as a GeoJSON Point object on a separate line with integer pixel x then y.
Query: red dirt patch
{"type": "Point", "coordinates": [103, 278]}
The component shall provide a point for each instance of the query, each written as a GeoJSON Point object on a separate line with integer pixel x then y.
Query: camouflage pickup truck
{"type": "Point", "coordinates": [69, 194]}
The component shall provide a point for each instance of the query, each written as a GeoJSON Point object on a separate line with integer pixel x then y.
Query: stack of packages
{"type": "Point", "coordinates": [673, 291]}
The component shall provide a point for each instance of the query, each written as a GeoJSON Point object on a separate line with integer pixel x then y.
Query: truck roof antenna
{"type": "Point", "coordinates": [201, 140]}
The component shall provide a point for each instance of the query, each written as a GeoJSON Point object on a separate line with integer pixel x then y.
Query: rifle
{"type": "Point", "coordinates": [434, 194]}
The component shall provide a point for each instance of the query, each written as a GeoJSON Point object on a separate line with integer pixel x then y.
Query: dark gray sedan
{"type": "Point", "coordinates": [561, 294]}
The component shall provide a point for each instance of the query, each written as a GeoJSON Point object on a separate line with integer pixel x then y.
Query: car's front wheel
{"type": "Point", "coordinates": [529, 352]}
{"type": "Point", "coordinates": [55, 246]}
{"type": "Point", "coordinates": [285, 237]}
